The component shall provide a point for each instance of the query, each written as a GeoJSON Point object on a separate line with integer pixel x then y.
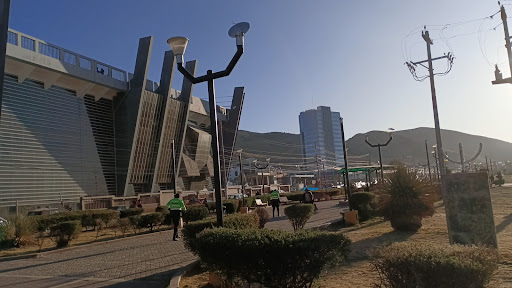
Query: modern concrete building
{"type": "Point", "coordinates": [72, 126]}
{"type": "Point", "coordinates": [320, 132]}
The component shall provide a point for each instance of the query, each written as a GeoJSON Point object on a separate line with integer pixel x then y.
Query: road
{"type": "Point", "coordinates": [142, 261]}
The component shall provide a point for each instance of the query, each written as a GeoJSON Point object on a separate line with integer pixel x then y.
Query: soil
{"type": "Point", "coordinates": [358, 271]}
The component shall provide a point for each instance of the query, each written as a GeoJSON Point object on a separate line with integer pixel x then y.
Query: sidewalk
{"type": "Point", "coordinates": [144, 261]}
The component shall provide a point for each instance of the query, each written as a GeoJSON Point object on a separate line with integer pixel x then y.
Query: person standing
{"type": "Point", "coordinates": [176, 207]}
{"type": "Point", "coordinates": [274, 200]}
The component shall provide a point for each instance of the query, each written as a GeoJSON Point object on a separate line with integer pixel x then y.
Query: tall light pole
{"type": "Point", "coordinates": [378, 145]}
{"type": "Point", "coordinates": [241, 177]}
{"type": "Point", "coordinates": [178, 46]}
{"type": "Point", "coordinates": [262, 168]}
{"type": "Point", "coordinates": [345, 179]}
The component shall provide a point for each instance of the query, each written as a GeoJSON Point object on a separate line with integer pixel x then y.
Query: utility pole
{"type": "Point", "coordinates": [428, 161]}
{"type": "Point", "coordinates": [323, 172]}
{"type": "Point", "coordinates": [497, 72]}
{"type": "Point", "coordinates": [4, 28]}
{"type": "Point", "coordinates": [412, 67]}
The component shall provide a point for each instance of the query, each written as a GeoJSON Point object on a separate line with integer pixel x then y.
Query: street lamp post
{"type": "Point", "coordinates": [345, 163]}
{"type": "Point", "coordinates": [262, 168]}
{"type": "Point", "coordinates": [241, 177]}
{"type": "Point", "coordinates": [178, 46]}
{"type": "Point", "coordinates": [378, 145]}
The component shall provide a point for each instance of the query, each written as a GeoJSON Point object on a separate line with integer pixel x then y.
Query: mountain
{"type": "Point", "coordinates": [407, 146]}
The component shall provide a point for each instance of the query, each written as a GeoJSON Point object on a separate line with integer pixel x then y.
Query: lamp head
{"type": "Point", "coordinates": [390, 130]}
{"type": "Point", "coordinates": [238, 31]}
{"type": "Point", "coordinates": [178, 47]}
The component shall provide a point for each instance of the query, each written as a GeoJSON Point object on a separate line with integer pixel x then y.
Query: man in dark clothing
{"type": "Point", "coordinates": [274, 200]}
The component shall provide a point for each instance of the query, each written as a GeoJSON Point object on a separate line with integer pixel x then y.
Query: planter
{"type": "Point", "coordinates": [403, 222]}
{"type": "Point", "coordinates": [244, 210]}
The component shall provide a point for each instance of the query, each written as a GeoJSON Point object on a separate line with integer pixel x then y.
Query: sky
{"type": "Point", "coordinates": [348, 55]}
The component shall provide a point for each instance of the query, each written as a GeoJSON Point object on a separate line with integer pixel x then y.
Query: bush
{"type": "Point", "coordinates": [150, 221]}
{"type": "Point", "coordinates": [161, 209]}
{"type": "Point", "coordinates": [263, 216]}
{"type": "Point", "coordinates": [363, 202]}
{"type": "Point", "coordinates": [411, 265]}
{"type": "Point", "coordinates": [404, 199]}
{"type": "Point", "coordinates": [195, 213]}
{"type": "Point", "coordinates": [131, 212]}
{"type": "Point", "coordinates": [231, 206]}
{"type": "Point", "coordinates": [134, 222]}
{"type": "Point", "coordinates": [123, 225]}
{"type": "Point", "coordinates": [107, 216]}
{"type": "Point", "coordinates": [64, 232]}
{"type": "Point", "coordinates": [299, 214]}
{"type": "Point", "coordinates": [211, 206]}
{"type": "Point", "coordinates": [299, 196]}
{"type": "Point", "coordinates": [87, 218]}
{"type": "Point", "coordinates": [234, 221]}
{"type": "Point", "coordinates": [19, 230]}
{"type": "Point", "coordinates": [273, 258]}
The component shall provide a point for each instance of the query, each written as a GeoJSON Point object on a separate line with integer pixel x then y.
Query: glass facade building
{"type": "Point", "coordinates": [320, 131]}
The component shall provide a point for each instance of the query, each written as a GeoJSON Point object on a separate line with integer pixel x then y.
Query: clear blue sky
{"type": "Point", "coordinates": [302, 54]}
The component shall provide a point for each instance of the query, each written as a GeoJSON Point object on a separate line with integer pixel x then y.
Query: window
{"type": "Point", "coordinates": [119, 75]}
{"type": "Point", "coordinates": [69, 58]}
{"type": "Point", "coordinates": [12, 38]}
{"type": "Point", "coordinates": [28, 43]}
{"type": "Point", "coordinates": [102, 69]}
{"type": "Point", "coordinates": [49, 50]}
{"type": "Point", "coordinates": [85, 63]}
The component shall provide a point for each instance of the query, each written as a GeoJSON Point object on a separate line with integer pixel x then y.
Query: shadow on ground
{"type": "Point", "coordinates": [360, 248]}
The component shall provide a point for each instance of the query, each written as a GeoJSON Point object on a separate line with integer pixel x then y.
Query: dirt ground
{"type": "Point", "coordinates": [358, 272]}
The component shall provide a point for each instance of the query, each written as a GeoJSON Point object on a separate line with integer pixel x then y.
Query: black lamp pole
{"type": "Point", "coordinates": [209, 77]}
{"type": "Point", "coordinates": [346, 180]}
{"type": "Point", "coordinates": [380, 155]}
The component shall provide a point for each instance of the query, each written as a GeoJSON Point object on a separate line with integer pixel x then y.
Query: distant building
{"type": "Point", "coordinates": [320, 132]}
{"type": "Point", "coordinates": [72, 126]}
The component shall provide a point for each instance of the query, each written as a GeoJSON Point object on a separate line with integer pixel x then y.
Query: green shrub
{"type": "Point", "coordinates": [211, 206]}
{"type": "Point", "coordinates": [64, 232]}
{"type": "Point", "coordinates": [249, 201]}
{"type": "Point", "coordinates": [150, 221]}
{"type": "Point", "coordinates": [134, 222]}
{"type": "Point", "coordinates": [273, 258]}
{"type": "Point", "coordinates": [408, 265]}
{"type": "Point", "coordinates": [298, 196]}
{"type": "Point", "coordinates": [20, 230]}
{"type": "Point", "coordinates": [195, 213]}
{"type": "Point", "coordinates": [123, 225]}
{"type": "Point", "coordinates": [131, 212]}
{"type": "Point", "coordinates": [263, 216]}
{"type": "Point", "coordinates": [299, 214]}
{"type": "Point", "coordinates": [107, 216]}
{"type": "Point", "coordinates": [161, 209]}
{"type": "Point", "coordinates": [231, 206]}
{"type": "Point", "coordinates": [363, 202]}
{"type": "Point", "coordinates": [87, 218]}
{"type": "Point", "coordinates": [405, 199]}
{"type": "Point", "coordinates": [234, 221]}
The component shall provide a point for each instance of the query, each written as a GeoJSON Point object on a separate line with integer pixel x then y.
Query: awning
{"type": "Point", "coordinates": [359, 169]}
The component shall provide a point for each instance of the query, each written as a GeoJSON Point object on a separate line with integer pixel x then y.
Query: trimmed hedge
{"type": "Point", "coordinates": [87, 218]}
{"type": "Point", "coordinates": [364, 203]}
{"type": "Point", "coordinates": [131, 212]}
{"type": "Point", "coordinates": [234, 221]}
{"type": "Point", "coordinates": [150, 221]}
{"type": "Point", "coordinates": [161, 209]}
{"type": "Point", "coordinates": [231, 206]}
{"type": "Point", "coordinates": [408, 265]}
{"type": "Point", "coordinates": [273, 258]}
{"type": "Point", "coordinates": [263, 216]}
{"type": "Point", "coordinates": [64, 232]}
{"type": "Point", "coordinates": [195, 213]}
{"type": "Point", "coordinates": [299, 214]}
{"type": "Point", "coordinates": [211, 206]}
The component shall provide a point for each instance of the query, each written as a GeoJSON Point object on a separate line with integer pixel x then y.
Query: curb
{"type": "Point", "coordinates": [176, 278]}
{"type": "Point", "coordinates": [37, 255]}
{"type": "Point", "coordinates": [18, 257]}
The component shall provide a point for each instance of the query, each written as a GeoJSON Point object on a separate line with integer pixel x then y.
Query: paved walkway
{"type": "Point", "coordinates": [143, 261]}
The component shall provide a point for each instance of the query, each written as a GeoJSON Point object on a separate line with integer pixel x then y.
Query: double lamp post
{"type": "Point", "coordinates": [178, 46]}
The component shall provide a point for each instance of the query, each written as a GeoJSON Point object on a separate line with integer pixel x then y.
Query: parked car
{"type": "Point", "coordinates": [44, 211]}
{"type": "Point", "coordinates": [3, 222]}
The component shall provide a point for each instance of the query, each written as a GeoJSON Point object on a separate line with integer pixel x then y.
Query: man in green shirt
{"type": "Point", "coordinates": [176, 207]}
{"type": "Point", "coordinates": [274, 200]}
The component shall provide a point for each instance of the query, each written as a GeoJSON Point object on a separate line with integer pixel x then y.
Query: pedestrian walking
{"type": "Point", "coordinates": [274, 200]}
{"type": "Point", "coordinates": [176, 207]}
